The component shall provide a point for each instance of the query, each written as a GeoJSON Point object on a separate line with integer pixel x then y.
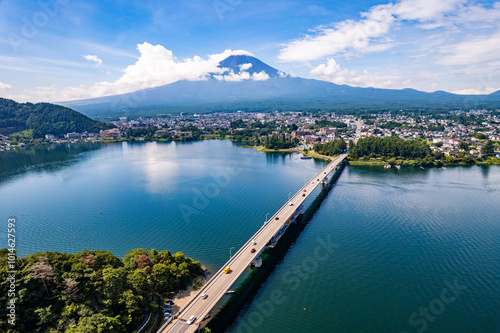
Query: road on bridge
{"type": "Point", "coordinates": [217, 286]}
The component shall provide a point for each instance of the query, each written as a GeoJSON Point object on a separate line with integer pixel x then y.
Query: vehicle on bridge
{"type": "Point", "coordinates": [227, 270]}
{"type": "Point", "coordinates": [191, 320]}
{"type": "Point", "coordinates": [252, 250]}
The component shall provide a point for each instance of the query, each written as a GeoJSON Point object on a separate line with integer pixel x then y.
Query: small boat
{"type": "Point", "coordinates": [398, 167]}
{"type": "Point", "coordinates": [387, 166]}
{"type": "Point", "coordinates": [305, 157]}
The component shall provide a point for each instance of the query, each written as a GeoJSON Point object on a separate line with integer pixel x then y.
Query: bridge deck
{"type": "Point", "coordinates": [217, 286]}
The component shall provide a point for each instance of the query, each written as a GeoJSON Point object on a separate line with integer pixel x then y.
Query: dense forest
{"type": "Point", "coordinates": [91, 291]}
{"type": "Point", "coordinates": [44, 118]}
{"type": "Point", "coordinates": [390, 147]}
{"type": "Point", "coordinates": [330, 148]}
{"type": "Point", "coordinates": [279, 142]}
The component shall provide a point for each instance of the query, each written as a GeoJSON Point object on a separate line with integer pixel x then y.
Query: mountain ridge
{"type": "Point", "coordinates": [278, 92]}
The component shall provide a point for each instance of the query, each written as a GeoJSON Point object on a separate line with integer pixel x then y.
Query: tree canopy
{"type": "Point", "coordinates": [44, 118]}
{"type": "Point", "coordinates": [90, 291]}
{"type": "Point", "coordinates": [391, 147]}
{"type": "Point", "coordinates": [330, 148]}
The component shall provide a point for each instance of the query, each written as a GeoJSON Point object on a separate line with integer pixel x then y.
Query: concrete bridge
{"type": "Point", "coordinates": [208, 296]}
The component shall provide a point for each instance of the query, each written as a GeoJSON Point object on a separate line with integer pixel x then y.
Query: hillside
{"type": "Point", "coordinates": [44, 118]}
{"type": "Point", "coordinates": [279, 92]}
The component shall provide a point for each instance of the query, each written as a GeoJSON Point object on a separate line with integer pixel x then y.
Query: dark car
{"type": "Point", "coordinates": [277, 218]}
{"type": "Point", "coordinates": [252, 250]}
{"type": "Point", "coordinates": [303, 194]}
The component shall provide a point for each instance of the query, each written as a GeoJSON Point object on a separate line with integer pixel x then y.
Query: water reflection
{"type": "Point", "coordinates": [42, 158]}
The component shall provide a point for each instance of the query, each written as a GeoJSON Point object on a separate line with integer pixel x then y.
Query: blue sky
{"type": "Point", "coordinates": [56, 50]}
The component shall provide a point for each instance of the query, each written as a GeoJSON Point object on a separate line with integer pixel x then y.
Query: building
{"type": "Point", "coordinates": [312, 138]}
{"type": "Point", "coordinates": [111, 133]}
{"type": "Point", "coordinates": [328, 130]}
{"type": "Point", "coordinates": [73, 135]}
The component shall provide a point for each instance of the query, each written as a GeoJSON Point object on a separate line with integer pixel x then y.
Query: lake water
{"type": "Point", "coordinates": [406, 250]}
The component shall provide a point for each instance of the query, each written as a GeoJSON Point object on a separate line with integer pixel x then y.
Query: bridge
{"type": "Point", "coordinates": [218, 285]}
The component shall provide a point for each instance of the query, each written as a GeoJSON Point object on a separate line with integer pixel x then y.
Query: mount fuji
{"type": "Point", "coordinates": [246, 83]}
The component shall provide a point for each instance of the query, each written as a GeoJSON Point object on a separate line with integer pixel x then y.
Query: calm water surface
{"type": "Point", "coordinates": [379, 255]}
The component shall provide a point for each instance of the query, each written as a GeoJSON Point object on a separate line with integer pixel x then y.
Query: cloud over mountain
{"type": "Point", "coordinates": [156, 66]}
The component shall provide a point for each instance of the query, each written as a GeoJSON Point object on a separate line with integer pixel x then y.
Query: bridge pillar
{"type": "Point", "coordinates": [257, 262]}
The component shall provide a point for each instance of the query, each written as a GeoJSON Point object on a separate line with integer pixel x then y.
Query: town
{"type": "Point", "coordinates": [459, 134]}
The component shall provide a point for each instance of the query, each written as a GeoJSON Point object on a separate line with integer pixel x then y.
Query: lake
{"type": "Point", "coordinates": [407, 250]}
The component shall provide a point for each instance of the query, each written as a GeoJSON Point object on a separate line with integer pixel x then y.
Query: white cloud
{"type": "Point", "coordinates": [234, 77]}
{"type": "Point", "coordinates": [425, 10]}
{"type": "Point", "coordinates": [243, 75]}
{"type": "Point", "coordinates": [93, 58]}
{"type": "Point", "coordinates": [262, 76]}
{"type": "Point", "coordinates": [156, 66]}
{"type": "Point", "coordinates": [370, 33]}
{"type": "Point", "coordinates": [473, 50]}
{"type": "Point", "coordinates": [4, 86]}
{"type": "Point", "coordinates": [344, 35]}
{"type": "Point", "coordinates": [473, 91]}
{"type": "Point", "coordinates": [333, 72]}
{"type": "Point", "coordinates": [245, 67]}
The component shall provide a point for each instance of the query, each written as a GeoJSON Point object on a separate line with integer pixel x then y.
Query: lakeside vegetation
{"type": "Point", "coordinates": [91, 291]}
{"type": "Point", "coordinates": [331, 148]}
{"type": "Point", "coordinates": [33, 121]}
{"type": "Point", "coordinates": [395, 151]}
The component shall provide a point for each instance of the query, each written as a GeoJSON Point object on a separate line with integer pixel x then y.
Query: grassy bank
{"type": "Point", "coordinates": [361, 162]}
{"type": "Point", "coordinates": [317, 156]}
{"type": "Point", "coordinates": [421, 163]}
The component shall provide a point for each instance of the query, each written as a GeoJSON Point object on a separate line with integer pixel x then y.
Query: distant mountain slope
{"type": "Point", "coordinates": [235, 63]}
{"type": "Point", "coordinates": [280, 92]}
{"type": "Point", "coordinates": [44, 118]}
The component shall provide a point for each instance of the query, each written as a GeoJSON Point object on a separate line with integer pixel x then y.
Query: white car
{"type": "Point", "coordinates": [254, 243]}
{"type": "Point", "coordinates": [290, 203]}
{"type": "Point", "coordinates": [191, 320]}
{"type": "Point", "coordinates": [204, 296]}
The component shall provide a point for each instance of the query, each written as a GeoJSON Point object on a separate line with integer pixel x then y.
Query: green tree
{"type": "Point", "coordinates": [463, 145]}
{"type": "Point", "coordinates": [139, 280]}
{"type": "Point", "coordinates": [98, 323]}
{"type": "Point", "coordinates": [45, 315]}
{"type": "Point", "coordinates": [488, 149]}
